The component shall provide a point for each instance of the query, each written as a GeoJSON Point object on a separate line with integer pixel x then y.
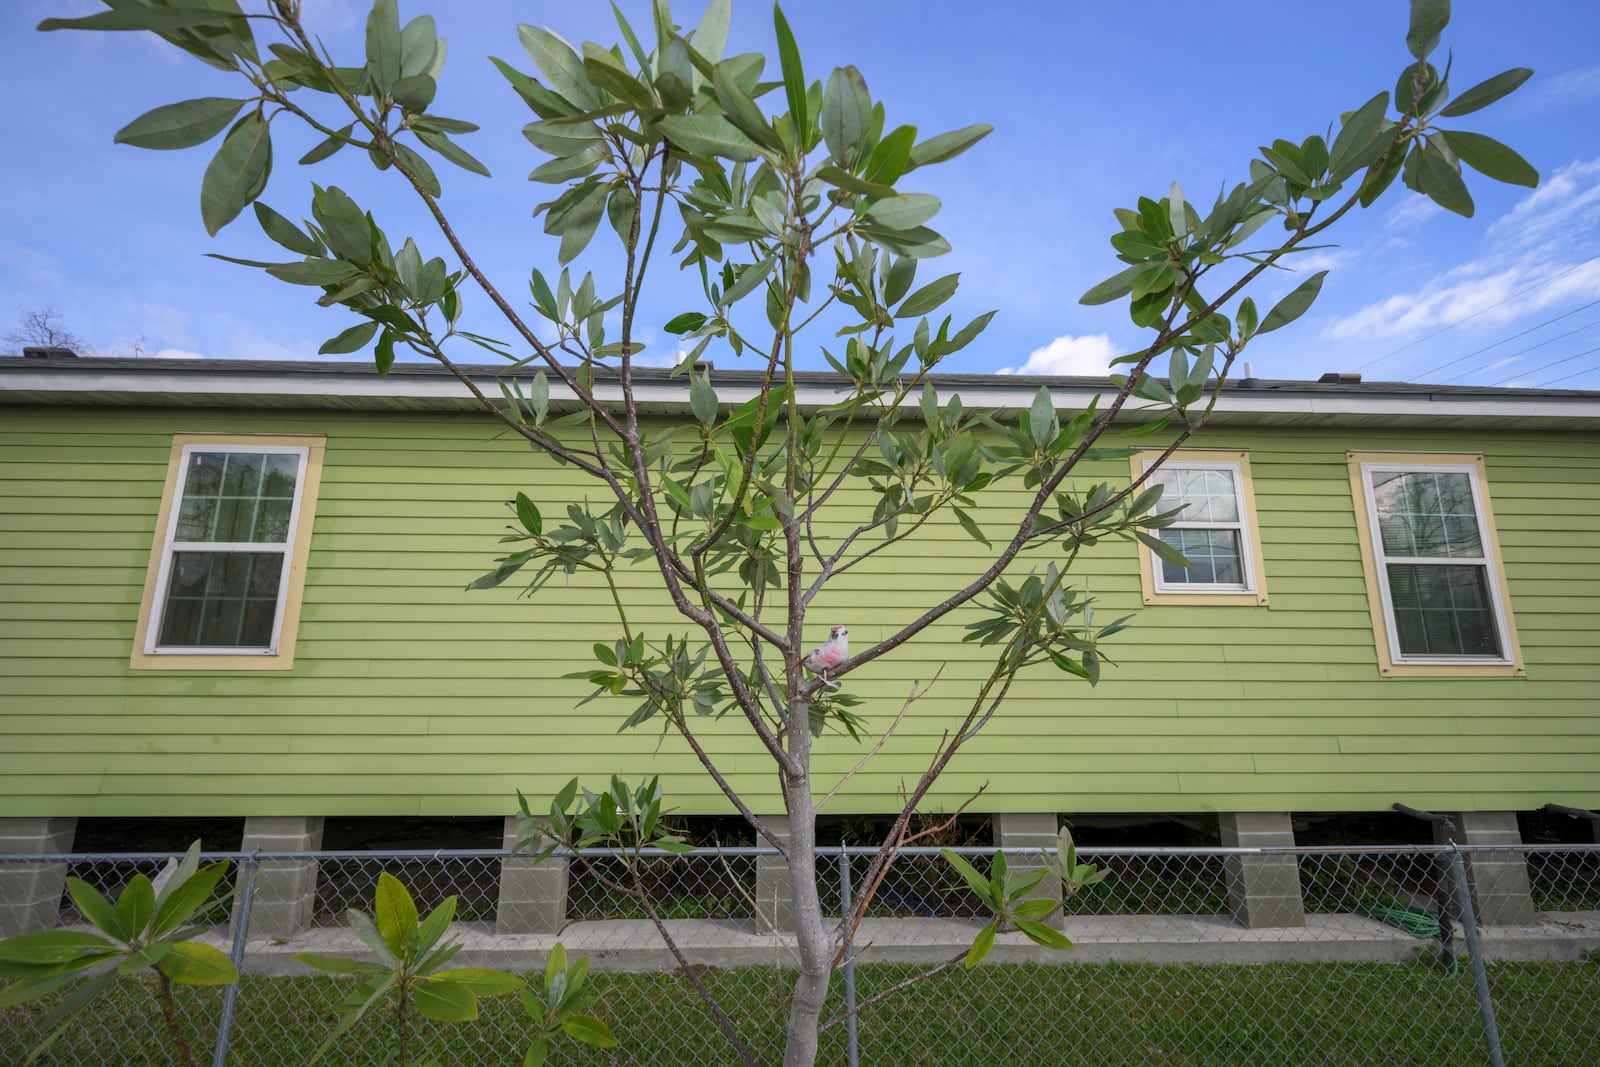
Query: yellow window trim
{"type": "Point", "coordinates": [310, 480]}
{"type": "Point", "coordinates": [1247, 501]}
{"type": "Point", "coordinates": [1387, 667]}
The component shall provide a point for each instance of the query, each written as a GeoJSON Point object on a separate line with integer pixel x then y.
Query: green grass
{"type": "Point", "coordinates": [1112, 1015]}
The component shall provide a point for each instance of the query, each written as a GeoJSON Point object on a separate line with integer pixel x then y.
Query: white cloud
{"type": "Point", "coordinates": [1089, 356]}
{"type": "Point", "coordinates": [1542, 257]}
{"type": "Point", "coordinates": [179, 353]}
{"type": "Point", "coordinates": [1570, 88]}
{"type": "Point", "coordinates": [1411, 212]}
{"type": "Point", "coordinates": [37, 269]}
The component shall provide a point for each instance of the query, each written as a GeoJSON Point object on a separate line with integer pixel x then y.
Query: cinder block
{"type": "Point", "coordinates": [774, 884]}
{"type": "Point", "coordinates": [1030, 830]}
{"type": "Point", "coordinates": [1263, 891]}
{"type": "Point", "coordinates": [285, 890]}
{"type": "Point", "coordinates": [1501, 894]}
{"type": "Point", "coordinates": [30, 893]}
{"type": "Point", "coordinates": [533, 896]}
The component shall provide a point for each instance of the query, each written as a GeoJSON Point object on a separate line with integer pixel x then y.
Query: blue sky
{"type": "Point", "coordinates": [1094, 104]}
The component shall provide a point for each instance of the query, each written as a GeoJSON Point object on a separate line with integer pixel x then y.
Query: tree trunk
{"type": "Point", "coordinates": [816, 952]}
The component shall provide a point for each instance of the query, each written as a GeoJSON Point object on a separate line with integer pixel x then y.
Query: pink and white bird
{"type": "Point", "coordinates": [832, 652]}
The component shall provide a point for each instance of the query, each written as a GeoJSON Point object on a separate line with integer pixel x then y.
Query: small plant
{"type": "Point", "coordinates": [1007, 899]}
{"type": "Point", "coordinates": [1075, 876]}
{"type": "Point", "coordinates": [148, 928]}
{"type": "Point", "coordinates": [408, 973]}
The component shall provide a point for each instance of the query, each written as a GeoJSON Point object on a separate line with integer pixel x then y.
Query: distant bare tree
{"type": "Point", "coordinates": [42, 327]}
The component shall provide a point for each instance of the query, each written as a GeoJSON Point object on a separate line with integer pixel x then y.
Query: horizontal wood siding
{"type": "Point", "coordinates": [410, 695]}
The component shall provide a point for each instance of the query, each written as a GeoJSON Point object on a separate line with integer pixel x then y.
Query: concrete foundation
{"type": "Point", "coordinates": [1030, 830]}
{"type": "Point", "coordinates": [1263, 891]}
{"type": "Point", "coordinates": [286, 890]}
{"type": "Point", "coordinates": [533, 896]}
{"type": "Point", "coordinates": [1501, 895]}
{"type": "Point", "coordinates": [774, 886]}
{"type": "Point", "coordinates": [30, 893]}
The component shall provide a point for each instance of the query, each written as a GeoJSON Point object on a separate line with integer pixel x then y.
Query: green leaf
{"type": "Point", "coordinates": [971, 527]}
{"type": "Point", "coordinates": [1165, 552]}
{"type": "Point", "coordinates": [1042, 417]}
{"type": "Point", "coordinates": [1428, 20]}
{"type": "Point", "coordinates": [979, 884]}
{"type": "Point", "coordinates": [536, 1053]}
{"type": "Point", "coordinates": [528, 515]}
{"type": "Point", "coordinates": [482, 981]}
{"type": "Point", "coordinates": [195, 963]}
{"type": "Point", "coordinates": [929, 297]}
{"type": "Point", "coordinates": [1441, 181]}
{"type": "Point", "coordinates": [181, 125]}
{"type": "Point", "coordinates": [444, 1001]}
{"type": "Point", "coordinates": [285, 232]}
{"type": "Point", "coordinates": [97, 909]}
{"type": "Point", "coordinates": [946, 145]}
{"type": "Point", "coordinates": [560, 66]}
{"type": "Point", "coordinates": [363, 927]}
{"type": "Point", "coordinates": [186, 896]}
{"type": "Point", "coordinates": [383, 44]}
{"type": "Point", "coordinates": [1042, 934]}
{"type": "Point", "coordinates": [904, 211]}
{"type": "Point", "coordinates": [352, 340]}
{"type": "Point", "coordinates": [52, 946]}
{"type": "Point", "coordinates": [980, 946]}
{"type": "Point", "coordinates": [702, 399]}
{"type": "Point", "coordinates": [143, 18]}
{"type": "Point", "coordinates": [1114, 287]}
{"type": "Point", "coordinates": [687, 322]}
{"type": "Point", "coordinates": [1355, 135]}
{"type": "Point", "coordinates": [334, 141]}
{"type": "Point", "coordinates": [236, 173]}
{"type": "Point", "coordinates": [394, 910]}
{"type": "Point", "coordinates": [26, 989]}
{"type": "Point", "coordinates": [1486, 92]}
{"type": "Point", "coordinates": [589, 1030]}
{"type": "Point", "coordinates": [1294, 305]}
{"type": "Point", "coordinates": [339, 964]}
{"type": "Point", "coordinates": [794, 78]}
{"type": "Point", "coordinates": [846, 114]}
{"type": "Point", "coordinates": [709, 135]}
{"type": "Point", "coordinates": [137, 904]}
{"type": "Point", "coordinates": [852, 184]}
{"type": "Point", "coordinates": [711, 36]}
{"type": "Point", "coordinates": [889, 160]}
{"type": "Point", "coordinates": [1491, 158]}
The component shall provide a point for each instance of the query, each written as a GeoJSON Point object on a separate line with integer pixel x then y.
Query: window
{"type": "Point", "coordinates": [1216, 530]}
{"type": "Point", "coordinates": [1434, 577]}
{"type": "Point", "coordinates": [229, 558]}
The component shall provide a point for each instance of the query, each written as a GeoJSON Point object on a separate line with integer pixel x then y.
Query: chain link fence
{"type": "Point", "coordinates": [1416, 955]}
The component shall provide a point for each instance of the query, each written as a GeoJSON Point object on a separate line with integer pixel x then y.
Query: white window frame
{"type": "Point", "coordinates": [1252, 590]}
{"type": "Point", "coordinates": [1392, 661]}
{"type": "Point", "coordinates": [278, 654]}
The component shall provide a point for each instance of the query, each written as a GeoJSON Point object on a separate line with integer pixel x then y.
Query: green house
{"type": "Point", "coordinates": [1392, 598]}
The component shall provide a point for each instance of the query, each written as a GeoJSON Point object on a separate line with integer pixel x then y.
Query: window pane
{"type": "Point", "coordinates": [237, 496]}
{"type": "Point", "coordinates": [1442, 610]}
{"type": "Point", "coordinates": [221, 599]}
{"type": "Point", "coordinates": [1426, 513]}
{"type": "Point", "coordinates": [1214, 557]}
{"type": "Point", "coordinates": [1209, 494]}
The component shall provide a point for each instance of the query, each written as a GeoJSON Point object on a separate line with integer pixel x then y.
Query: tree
{"type": "Point", "coordinates": [781, 219]}
{"type": "Point", "coordinates": [43, 327]}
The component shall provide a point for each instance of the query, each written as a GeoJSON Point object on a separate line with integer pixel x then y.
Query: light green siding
{"type": "Point", "coordinates": [410, 695]}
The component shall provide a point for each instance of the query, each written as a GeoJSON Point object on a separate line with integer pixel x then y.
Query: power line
{"type": "Point", "coordinates": [1547, 366]}
{"type": "Point", "coordinates": [1521, 352]}
{"type": "Point", "coordinates": [1481, 311]}
{"type": "Point", "coordinates": [1477, 352]}
{"type": "Point", "coordinates": [1574, 374]}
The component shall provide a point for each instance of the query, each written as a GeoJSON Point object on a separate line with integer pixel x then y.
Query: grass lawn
{"type": "Point", "coordinates": [1105, 1015]}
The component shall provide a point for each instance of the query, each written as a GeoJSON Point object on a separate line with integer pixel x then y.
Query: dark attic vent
{"type": "Point", "coordinates": [1339, 378]}
{"type": "Point", "coordinates": [49, 352]}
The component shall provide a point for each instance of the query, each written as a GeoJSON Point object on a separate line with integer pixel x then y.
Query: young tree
{"type": "Point", "coordinates": [781, 219]}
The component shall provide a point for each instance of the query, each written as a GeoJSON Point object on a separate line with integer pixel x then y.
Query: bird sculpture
{"type": "Point", "coordinates": [828, 655]}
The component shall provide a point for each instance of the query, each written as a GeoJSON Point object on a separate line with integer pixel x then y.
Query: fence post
{"type": "Point", "coordinates": [1480, 977]}
{"type": "Point", "coordinates": [241, 931]}
{"type": "Point", "coordinates": [849, 961]}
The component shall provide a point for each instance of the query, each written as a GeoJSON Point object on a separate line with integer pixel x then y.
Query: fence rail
{"type": "Point", "coordinates": [1425, 955]}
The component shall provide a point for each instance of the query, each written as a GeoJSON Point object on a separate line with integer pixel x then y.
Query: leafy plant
{"type": "Point", "coordinates": [782, 221]}
{"type": "Point", "coordinates": [148, 929]}
{"type": "Point", "coordinates": [408, 972]}
{"type": "Point", "coordinates": [1007, 898]}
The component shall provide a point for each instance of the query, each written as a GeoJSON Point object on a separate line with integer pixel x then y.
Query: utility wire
{"type": "Point", "coordinates": [1494, 363]}
{"type": "Point", "coordinates": [1547, 366]}
{"type": "Point", "coordinates": [1477, 352]}
{"type": "Point", "coordinates": [1574, 374]}
{"type": "Point", "coordinates": [1481, 311]}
